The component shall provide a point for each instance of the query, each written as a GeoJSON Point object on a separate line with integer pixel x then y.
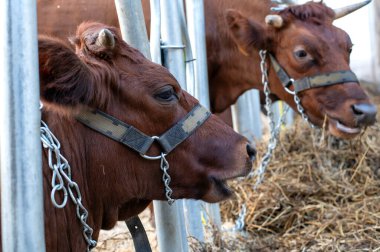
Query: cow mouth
{"type": "Point", "coordinates": [222, 187]}
{"type": "Point", "coordinates": [219, 188]}
{"type": "Point", "coordinates": [339, 129]}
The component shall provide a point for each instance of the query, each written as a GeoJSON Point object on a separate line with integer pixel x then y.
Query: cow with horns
{"type": "Point", "coordinates": [106, 95]}
{"type": "Point", "coordinates": [307, 56]}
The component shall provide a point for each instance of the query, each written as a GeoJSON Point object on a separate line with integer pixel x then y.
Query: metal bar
{"type": "Point", "coordinates": [155, 31]}
{"type": "Point", "coordinates": [278, 109]}
{"type": "Point", "coordinates": [246, 115]}
{"type": "Point", "coordinates": [171, 236]}
{"type": "Point", "coordinates": [21, 166]}
{"type": "Point", "coordinates": [193, 208]}
{"type": "Point", "coordinates": [169, 226]}
{"type": "Point", "coordinates": [169, 219]}
{"type": "Point", "coordinates": [132, 25]}
{"type": "Point", "coordinates": [171, 35]}
{"type": "Point", "coordinates": [197, 36]}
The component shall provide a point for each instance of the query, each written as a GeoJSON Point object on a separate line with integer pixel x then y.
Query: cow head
{"type": "Point", "coordinates": [305, 42]}
{"type": "Point", "coordinates": [107, 74]}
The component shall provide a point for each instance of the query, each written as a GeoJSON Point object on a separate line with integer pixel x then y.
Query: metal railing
{"type": "Point", "coordinates": [22, 211]}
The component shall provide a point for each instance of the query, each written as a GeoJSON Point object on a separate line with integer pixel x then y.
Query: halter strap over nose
{"type": "Point", "coordinates": [137, 140]}
{"type": "Point", "coordinates": [315, 81]}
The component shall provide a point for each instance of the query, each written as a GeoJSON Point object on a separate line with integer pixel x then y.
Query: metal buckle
{"type": "Point", "coordinates": [153, 157]}
{"type": "Point", "coordinates": [291, 82]}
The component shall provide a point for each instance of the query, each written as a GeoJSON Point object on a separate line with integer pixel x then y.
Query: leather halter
{"type": "Point", "coordinates": [320, 80]}
{"type": "Point", "coordinates": [138, 141]}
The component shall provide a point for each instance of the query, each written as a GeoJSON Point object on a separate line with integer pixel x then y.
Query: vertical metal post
{"type": "Point", "coordinates": [278, 108]}
{"type": "Point", "coordinates": [155, 31]}
{"type": "Point", "coordinates": [197, 34]}
{"type": "Point", "coordinates": [21, 167]}
{"type": "Point", "coordinates": [197, 46]}
{"type": "Point", "coordinates": [246, 115]}
{"type": "Point", "coordinates": [132, 25]}
{"type": "Point", "coordinates": [169, 219]}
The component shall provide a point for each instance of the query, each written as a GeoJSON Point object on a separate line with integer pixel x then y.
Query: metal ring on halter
{"type": "Point", "coordinates": [291, 81]}
{"type": "Point", "coordinates": [153, 157]}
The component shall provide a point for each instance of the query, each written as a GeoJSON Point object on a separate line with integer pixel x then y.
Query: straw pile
{"type": "Point", "coordinates": [319, 194]}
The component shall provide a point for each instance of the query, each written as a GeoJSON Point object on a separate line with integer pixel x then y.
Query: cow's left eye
{"type": "Point", "coordinates": [166, 94]}
{"type": "Point", "coordinates": [301, 54]}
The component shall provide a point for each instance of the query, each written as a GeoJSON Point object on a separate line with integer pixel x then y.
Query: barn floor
{"type": "Point", "coordinates": [319, 194]}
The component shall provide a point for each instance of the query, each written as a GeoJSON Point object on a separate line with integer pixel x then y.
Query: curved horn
{"type": "Point", "coordinates": [105, 39]}
{"type": "Point", "coordinates": [274, 20]}
{"type": "Point", "coordinates": [341, 12]}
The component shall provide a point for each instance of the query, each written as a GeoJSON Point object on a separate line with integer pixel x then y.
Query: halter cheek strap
{"type": "Point", "coordinates": [137, 140]}
{"type": "Point", "coordinates": [320, 80]}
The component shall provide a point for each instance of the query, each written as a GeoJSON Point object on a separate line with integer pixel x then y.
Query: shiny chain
{"type": "Point", "coordinates": [61, 174]}
{"type": "Point", "coordinates": [166, 179]}
{"type": "Point", "coordinates": [274, 129]}
{"type": "Point", "coordinates": [301, 110]}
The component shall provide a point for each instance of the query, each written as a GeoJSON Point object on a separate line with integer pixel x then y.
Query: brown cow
{"type": "Point", "coordinates": [303, 40]}
{"type": "Point", "coordinates": [115, 181]}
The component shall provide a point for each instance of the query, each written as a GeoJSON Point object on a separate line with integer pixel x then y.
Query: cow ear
{"type": "Point", "coordinates": [247, 34]}
{"type": "Point", "coordinates": [64, 79]}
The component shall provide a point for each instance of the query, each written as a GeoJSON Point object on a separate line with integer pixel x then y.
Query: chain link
{"type": "Point", "coordinates": [301, 110]}
{"type": "Point", "coordinates": [166, 179]}
{"type": "Point", "coordinates": [61, 175]}
{"type": "Point", "coordinates": [274, 129]}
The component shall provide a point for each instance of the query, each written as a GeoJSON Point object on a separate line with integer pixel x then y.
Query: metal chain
{"type": "Point", "coordinates": [61, 175]}
{"type": "Point", "coordinates": [274, 129]}
{"type": "Point", "coordinates": [240, 223]}
{"type": "Point", "coordinates": [166, 179]}
{"type": "Point", "coordinates": [301, 110]}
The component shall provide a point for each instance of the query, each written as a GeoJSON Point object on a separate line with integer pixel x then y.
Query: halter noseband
{"type": "Point", "coordinates": [138, 141]}
{"type": "Point", "coordinates": [320, 80]}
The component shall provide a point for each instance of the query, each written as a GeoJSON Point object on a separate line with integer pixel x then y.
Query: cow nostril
{"type": "Point", "coordinates": [251, 152]}
{"type": "Point", "coordinates": [365, 113]}
{"type": "Point", "coordinates": [357, 110]}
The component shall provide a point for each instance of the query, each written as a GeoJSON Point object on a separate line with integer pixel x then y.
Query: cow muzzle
{"type": "Point", "coordinates": [351, 119]}
{"type": "Point", "coordinates": [364, 113]}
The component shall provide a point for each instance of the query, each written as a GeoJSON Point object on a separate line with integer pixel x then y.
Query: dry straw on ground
{"type": "Point", "coordinates": [319, 194]}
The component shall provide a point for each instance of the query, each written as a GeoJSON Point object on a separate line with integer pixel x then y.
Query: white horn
{"type": "Point", "coordinates": [341, 12]}
{"type": "Point", "coordinates": [274, 20]}
{"type": "Point", "coordinates": [105, 39]}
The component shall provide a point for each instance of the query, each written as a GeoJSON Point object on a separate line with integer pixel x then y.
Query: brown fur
{"type": "Point", "coordinates": [235, 32]}
{"type": "Point", "coordinates": [115, 181]}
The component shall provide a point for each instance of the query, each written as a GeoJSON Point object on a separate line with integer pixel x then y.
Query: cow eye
{"type": "Point", "coordinates": [350, 50]}
{"type": "Point", "coordinates": [166, 94]}
{"type": "Point", "coordinates": [301, 54]}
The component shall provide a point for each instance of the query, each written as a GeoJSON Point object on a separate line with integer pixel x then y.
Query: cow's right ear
{"type": "Point", "coordinates": [247, 34]}
{"type": "Point", "coordinates": [64, 79]}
